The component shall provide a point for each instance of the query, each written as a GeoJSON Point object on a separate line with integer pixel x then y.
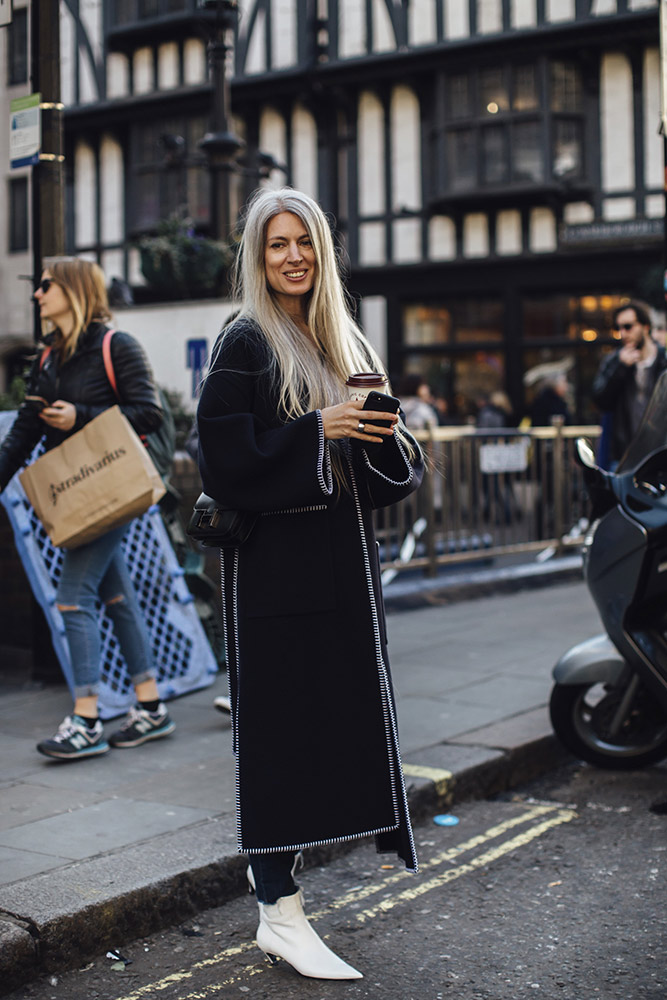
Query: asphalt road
{"type": "Point", "coordinates": [554, 891]}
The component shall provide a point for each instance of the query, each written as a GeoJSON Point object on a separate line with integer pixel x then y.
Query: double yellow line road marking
{"type": "Point", "coordinates": [536, 820]}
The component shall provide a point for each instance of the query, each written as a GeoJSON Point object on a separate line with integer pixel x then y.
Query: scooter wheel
{"type": "Point", "coordinates": [581, 716]}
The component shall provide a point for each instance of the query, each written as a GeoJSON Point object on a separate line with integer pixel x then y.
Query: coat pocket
{"type": "Point", "coordinates": [286, 566]}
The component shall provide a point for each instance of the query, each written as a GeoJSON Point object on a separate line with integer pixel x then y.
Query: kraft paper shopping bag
{"type": "Point", "coordinates": [97, 479]}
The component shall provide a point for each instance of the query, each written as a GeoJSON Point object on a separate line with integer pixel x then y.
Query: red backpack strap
{"type": "Point", "coordinates": [108, 363]}
{"type": "Point", "coordinates": [43, 356]}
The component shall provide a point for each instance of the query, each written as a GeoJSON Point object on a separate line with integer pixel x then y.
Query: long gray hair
{"type": "Point", "coordinates": [305, 383]}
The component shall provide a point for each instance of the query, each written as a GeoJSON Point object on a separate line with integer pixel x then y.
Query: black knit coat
{"type": "Point", "coordinates": [314, 721]}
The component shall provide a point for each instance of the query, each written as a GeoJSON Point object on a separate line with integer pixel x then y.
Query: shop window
{"type": "Point", "coordinates": [17, 48]}
{"type": "Point", "coordinates": [510, 126]}
{"type": "Point", "coordinates": [18, 215]}
{"type": "Point", "coordinates": [463, 321]}
{"type": "Point", "coordinates": [168, 172]}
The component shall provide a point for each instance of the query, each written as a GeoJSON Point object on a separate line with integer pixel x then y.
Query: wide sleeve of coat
{"type": "Point", "coordinates": [389, 472]}
{"type": "Point", "coordinates": [247, 458]}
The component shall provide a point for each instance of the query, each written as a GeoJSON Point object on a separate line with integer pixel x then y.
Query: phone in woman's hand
{"type": "Point", "coordinates": [36, 403]}
{"type": "Point", "coordinates": [381, 401]}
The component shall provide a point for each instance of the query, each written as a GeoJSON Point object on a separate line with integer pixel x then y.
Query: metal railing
{"type": "Point", "coordinates": [488, 494]}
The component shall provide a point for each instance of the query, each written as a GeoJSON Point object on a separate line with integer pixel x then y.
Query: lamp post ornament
{"type": "Point", "coordinates": [220, 144]}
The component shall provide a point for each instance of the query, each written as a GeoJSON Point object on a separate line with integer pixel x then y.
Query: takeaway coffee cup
{"type": "Point", "coordinates": [359, 385]}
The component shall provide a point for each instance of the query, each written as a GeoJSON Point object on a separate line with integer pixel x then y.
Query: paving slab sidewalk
{"type": "Point", "coordinates": [96, 852]}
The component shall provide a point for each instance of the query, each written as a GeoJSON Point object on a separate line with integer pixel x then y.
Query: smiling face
{"type": "Point", "coordinates": [289, 260]}
{"type": "Point", "coordinates": [54, 304]}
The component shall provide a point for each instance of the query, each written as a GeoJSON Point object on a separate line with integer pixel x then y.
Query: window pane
{"type": "Point", "coordinates": [17, 48]}
{"type": "Point", "coordinates": [493, 96]}
{"type": "Point", "coordinates": [426, 325]}
{"type": "Point", "coordinates": [525, 95]}
{"type": "Point", "coordinates": [494, 155]}
{"type": "Point", "coordinates": [18, 214]}
{"type": "Point", "coordinates": [459, 99]}
{"type": "Point", "coordinates": [566, 89]}
{"type": "Point", "coordinates": [568, 149]}
{"type": "Point", "coordinates": [527, 162]}
{"type": "Point", "coordinates": [461, 160]}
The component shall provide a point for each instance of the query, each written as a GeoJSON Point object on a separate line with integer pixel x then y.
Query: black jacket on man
{"type": "Point", "coordinates": [82, 380]}
{"type": "Point", "coordinates": [613, 389]}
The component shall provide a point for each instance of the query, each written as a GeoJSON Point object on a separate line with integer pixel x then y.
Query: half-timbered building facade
{"type": "Point", "coordinates": [493, 167]}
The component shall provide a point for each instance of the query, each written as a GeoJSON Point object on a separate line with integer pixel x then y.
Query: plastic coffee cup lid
{"type": "Point", "coordinates": [366, 379]}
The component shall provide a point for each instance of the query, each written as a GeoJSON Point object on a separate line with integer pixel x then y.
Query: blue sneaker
{"type": "Point", "coordinates": [74, 739]}
{"type": "Point", "coordinates": [141, 726]}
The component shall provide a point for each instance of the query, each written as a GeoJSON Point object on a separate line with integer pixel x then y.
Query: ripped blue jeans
{"type": "Point", "coordinates": [96, 571]}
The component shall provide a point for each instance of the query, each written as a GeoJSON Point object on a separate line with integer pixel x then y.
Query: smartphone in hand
{"type": "Point", "coordinates": [381, 401]}
{"type": "Point", "coordinates": [36, 403]}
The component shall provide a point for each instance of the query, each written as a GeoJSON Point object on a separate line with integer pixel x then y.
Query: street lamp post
{"type": "Point", "coordinates": [220, 144]}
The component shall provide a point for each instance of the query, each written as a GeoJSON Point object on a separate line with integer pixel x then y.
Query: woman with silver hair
{"type": "Point", "coordinates": [313, 716]}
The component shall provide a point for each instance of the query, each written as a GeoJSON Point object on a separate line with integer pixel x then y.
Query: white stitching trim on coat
{"type": "Point", "coordinates": [324, 474]}
{"type": "Point", "coordinates": [394, 482]}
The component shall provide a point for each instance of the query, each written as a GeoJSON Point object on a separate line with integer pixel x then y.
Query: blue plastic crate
{"type": "Point", "coordinates": [183, 657]}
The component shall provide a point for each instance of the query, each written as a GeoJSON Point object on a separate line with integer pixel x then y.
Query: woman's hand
{"type": "Point", "coordinates": [61, 415]}
{"type": "Point", "coordinates": [350, 420]}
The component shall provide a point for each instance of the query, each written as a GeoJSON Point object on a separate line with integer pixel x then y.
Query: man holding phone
{"type": "Point", "coordinates": [626, 379]}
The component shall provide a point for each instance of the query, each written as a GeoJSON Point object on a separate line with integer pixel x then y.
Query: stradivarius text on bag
{"type": "Point", "coordinates": [83, 473]}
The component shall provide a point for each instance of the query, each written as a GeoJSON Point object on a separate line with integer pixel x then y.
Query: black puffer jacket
{"type": "Point", "coordinates": [613, 390]}
{"type": "Point", "coordinates": [82, 380]}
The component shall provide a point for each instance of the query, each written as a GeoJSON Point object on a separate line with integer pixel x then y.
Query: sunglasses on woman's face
{"type": "Point", "coordinates": [44, 285]}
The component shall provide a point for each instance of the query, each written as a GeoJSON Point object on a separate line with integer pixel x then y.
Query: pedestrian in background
{"type": "Point", "coordinates": [626, 378]}
{"type": "Point", "coordinates": [311, 694]}
{"type": "Point", "coordinates": [70, 375]}
{"type": "Point", "coordinates": [495, 412]}
{"type": "Point", "coordinates": [419, 414]}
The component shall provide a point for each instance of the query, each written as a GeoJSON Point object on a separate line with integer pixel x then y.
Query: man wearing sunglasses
{"type": "Point", "coordinates": [626, 379]}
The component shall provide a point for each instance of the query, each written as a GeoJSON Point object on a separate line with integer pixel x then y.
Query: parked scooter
{"type": "Point", "coordinates": [609, 703]}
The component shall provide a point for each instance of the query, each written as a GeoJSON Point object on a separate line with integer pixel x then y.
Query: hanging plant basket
{"type": "Point", "coordinates": [180, 264]}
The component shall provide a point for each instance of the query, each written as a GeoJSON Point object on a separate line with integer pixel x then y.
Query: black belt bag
{"type": "Point", "coordinates": [220, 527]}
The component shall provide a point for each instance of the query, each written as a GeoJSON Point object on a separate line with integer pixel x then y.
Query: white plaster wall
{"type": "Point", "coordinates": [405, 131]}
{"type": "Point", "coordinates": [601, 7]}
{"type": "Point", "coordinates": [143, 70]}
{"type": "Point", "coordinates": [283, 36]}
{"type": "Point", "coordinates": [374, 322]}
{"type": "Point", "coordinates": [508, 233]}
{"type": "Point", "coordinates": [273, 139]}
{"type": "Point", "coordinates": [304, 151]}
{"type": "Point", "coordinates": [615, 209]}
{"type": "Point", "coordinates": [118, 75]}
{"type": "Point", "coordinates": [90, 12]}
{"type": "Point", "coordinates": [441, 238]}
{"type": "Point", "coordinates": [642, 4]}
{"type": "Point", "coordinates": [372, 244]}
{"type": "Point", "coordinates": [112, 264]}
{"type": "Point", "coordinates": [457, 18]}
{"type": "Point", "coordinates": [164, 331]}
{"type": "Point", "coordinates": [577, 212]}
{"type": "Point", "coordinates": [255, 61]}
{"type": "Point", "coordinates": [653, 143]}
{"type": "Point", "coordinates": [654, 206]}
{"type": "Point", "coordinates": [542, 230]}
{"type": "Point", "coordinates": [475, 235]}
{"type": "Point", "coordinates": [371, 155]}
{"type": "Point", "coordinates": [523, 13]}
{"type": "Point", "coordinates": [167, 66]}
{"type": "Point", "coordinates": [112, 194]}
{"type": "Point", "coordinates": [351, 28]}
{"type": "Point", "coordinates": [194, 62]}
{"type": "Point", "coordinates": [489, 16]}
{"type": "Point", "coordinates": [85, 185]}
{"type": "Point", "coordinates": [68, 55]}
{"type": "Point", "coordinates": [384, 39]}
{"type": "Point", "coordinates": [560, 10]}
{"type": "Point", "coordinates": [421, 22]}
{"type": "Point", "coordinates": [617, 123]}
{"type": "Point", "coordinates": [406, 241]}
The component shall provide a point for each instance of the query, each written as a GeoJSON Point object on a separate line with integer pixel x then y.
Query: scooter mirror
{"type": "Point", "coordinates": [585, 454]}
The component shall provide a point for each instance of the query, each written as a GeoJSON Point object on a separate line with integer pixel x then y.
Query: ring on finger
{"type": "Point", "coordinates": [361, 426]}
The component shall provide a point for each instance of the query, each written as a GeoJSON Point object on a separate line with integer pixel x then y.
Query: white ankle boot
{"type": "Point", "coordinates": [284, 932]}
